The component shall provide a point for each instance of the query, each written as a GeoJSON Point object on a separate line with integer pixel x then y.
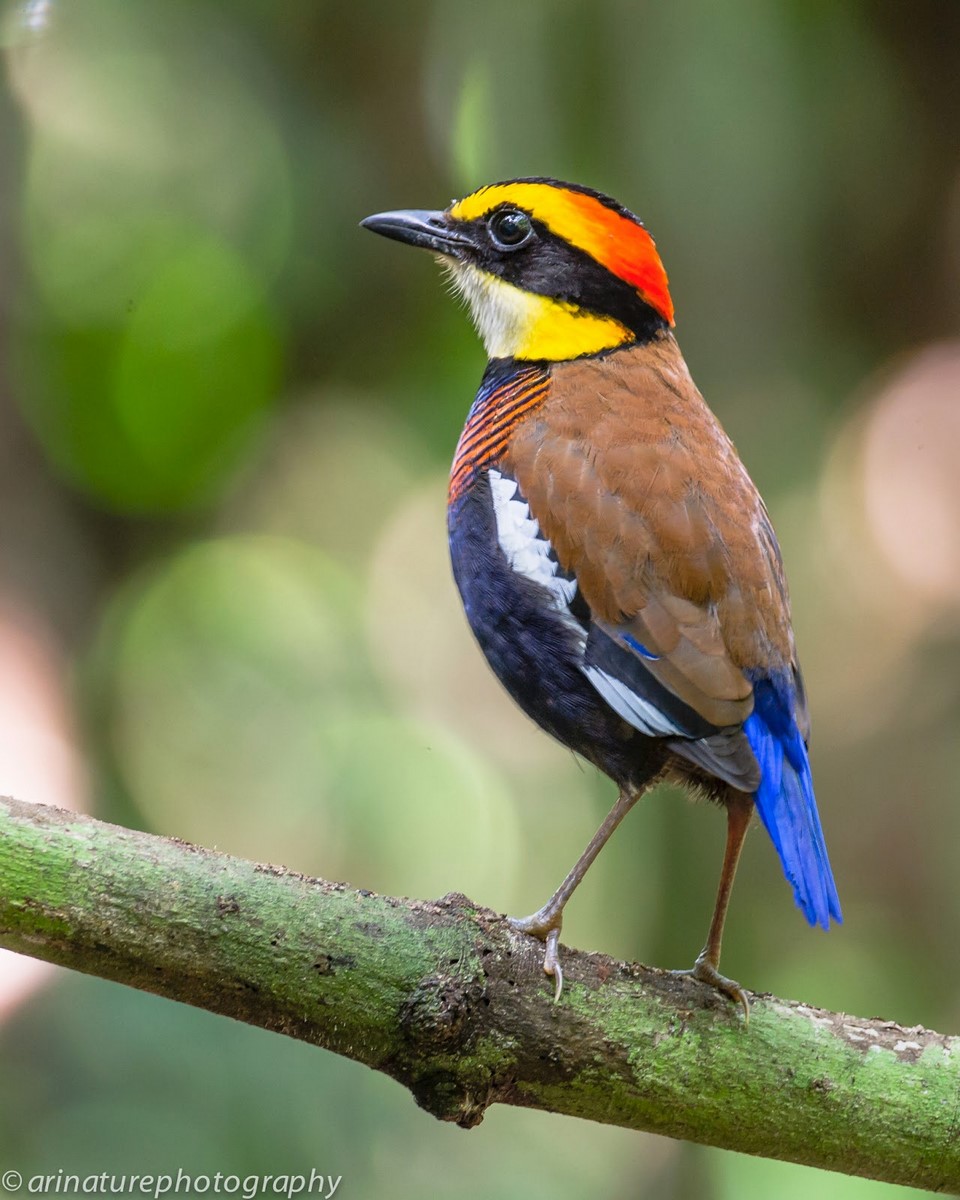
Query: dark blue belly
{"type": "Point", "coordinates": [533, 650]}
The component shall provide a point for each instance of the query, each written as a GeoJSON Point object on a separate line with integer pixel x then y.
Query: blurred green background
{"type": "Point", "coordinates": [225, 424]}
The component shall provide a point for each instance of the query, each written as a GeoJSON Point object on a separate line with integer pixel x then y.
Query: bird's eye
{"type": "Point", "coordinates": [510, 228]}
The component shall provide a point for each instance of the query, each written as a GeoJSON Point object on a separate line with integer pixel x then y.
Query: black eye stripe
{"type": "Point", "coordinates": [552, 266]}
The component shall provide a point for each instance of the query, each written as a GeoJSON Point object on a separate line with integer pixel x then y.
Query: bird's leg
{"type": "Point", "coordinates": [546, 922]}
{"type": "Point", "coordinates": [706, 968]}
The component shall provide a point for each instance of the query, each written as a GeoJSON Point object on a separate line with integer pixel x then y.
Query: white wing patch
{"type": "Point", "coordinates": [636, 711]}
{"type": "Point", "coordinates": [529, 554]}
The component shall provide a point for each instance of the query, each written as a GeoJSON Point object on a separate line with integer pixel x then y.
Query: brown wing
{"type": "Point", "coordinates": [643, 497]}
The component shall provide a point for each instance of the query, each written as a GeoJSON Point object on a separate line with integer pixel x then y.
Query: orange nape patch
{"type": "Point", "coordinates": [618, 243]}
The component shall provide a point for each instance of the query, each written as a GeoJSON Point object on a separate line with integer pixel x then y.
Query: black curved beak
{"type": "Point", "coordinates": [419, 227]}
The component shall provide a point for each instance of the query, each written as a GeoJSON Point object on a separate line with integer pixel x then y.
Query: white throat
{"type": "Point", "coordinates": [503, 314]}
{"type": "Point", "coordinates": [514, 323]}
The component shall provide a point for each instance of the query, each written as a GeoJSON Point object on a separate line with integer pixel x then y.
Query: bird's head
{"type": "Point", "coordinates": [550, 270]}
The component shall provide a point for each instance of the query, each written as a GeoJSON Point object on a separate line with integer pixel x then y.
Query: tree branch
{"type": "Point", "coordinates": [448, 1000]}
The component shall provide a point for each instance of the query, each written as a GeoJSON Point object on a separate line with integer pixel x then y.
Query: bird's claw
{"type": "Point", "coordinates": [706, 972]}
{"type": "Point", "coordinates": [546, 929]}
{"type": "Point", "coordinates": [551, 962]}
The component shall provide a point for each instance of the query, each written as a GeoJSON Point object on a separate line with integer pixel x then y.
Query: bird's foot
{"type": "Point", "coordinates": [706, 971]}
{"type": "Point", "coordinates": [545, 925]}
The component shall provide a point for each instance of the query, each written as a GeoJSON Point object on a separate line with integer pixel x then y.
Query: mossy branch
{"type": "Point", "coordinates": [448, 1000]}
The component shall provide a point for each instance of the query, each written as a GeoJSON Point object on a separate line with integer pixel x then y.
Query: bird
{"type": "Point", "coordinates": [616, 563]}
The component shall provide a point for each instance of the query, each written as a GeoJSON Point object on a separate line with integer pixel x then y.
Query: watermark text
{"type": "Point", "coordinates": [247, 1187]}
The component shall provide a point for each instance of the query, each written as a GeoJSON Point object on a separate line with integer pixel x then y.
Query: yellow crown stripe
{"type": "Point", "coordinates": [549, 204]}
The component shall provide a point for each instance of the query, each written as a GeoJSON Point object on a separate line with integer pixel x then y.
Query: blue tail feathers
{"type": "Point", "coordinates": [786, 802]}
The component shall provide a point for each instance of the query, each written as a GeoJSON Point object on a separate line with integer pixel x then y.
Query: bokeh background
{"type": "Point", "coordinates": [226, 613]}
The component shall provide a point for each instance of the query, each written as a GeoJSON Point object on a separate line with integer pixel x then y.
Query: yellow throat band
{"type": "Point", "coordinates": [524, 325]}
